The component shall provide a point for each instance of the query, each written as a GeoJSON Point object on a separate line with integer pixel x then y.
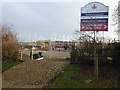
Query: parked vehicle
{"type": "Point", "coordinates": [38, 56]}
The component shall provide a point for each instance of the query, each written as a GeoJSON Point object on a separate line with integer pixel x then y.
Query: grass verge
{"type": "Point", "coordinates": [8, 65]}
{"type": "Point", "coordinates": [76, 76]}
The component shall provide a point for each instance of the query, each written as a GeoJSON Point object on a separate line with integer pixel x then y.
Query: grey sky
{"type": "Point", "coordinates": [43, 20]}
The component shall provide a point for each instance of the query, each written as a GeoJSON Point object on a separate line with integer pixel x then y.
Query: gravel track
{"type": "Point", "coordinates": [33, 74]}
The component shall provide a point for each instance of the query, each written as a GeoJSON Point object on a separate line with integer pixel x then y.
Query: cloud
{"type": "Point", "coordinates": [0, 12]}
{"type": "Point", "coordinates": [46, 19]}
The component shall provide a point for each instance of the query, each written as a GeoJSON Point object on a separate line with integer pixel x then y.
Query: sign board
{"type": "Point", "coordinates": [94, 16]}
{"type": "Point", "coordinates": [94, 7]}
{"type": "Point", "coordinates": [94, 26]}
{"type": "Point", "coordinates": [94, 20]}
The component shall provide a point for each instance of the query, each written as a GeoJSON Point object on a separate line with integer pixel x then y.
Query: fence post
{"type": "Point", "coordinates": [72, 54]}
{"type": "Point", "coordinates": [21, 57]}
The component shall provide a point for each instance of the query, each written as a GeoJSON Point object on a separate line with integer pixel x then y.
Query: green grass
{"type": "Point", "coordinates": [65, 81]}
{"type": "Point", "coordinates": [8, 65]}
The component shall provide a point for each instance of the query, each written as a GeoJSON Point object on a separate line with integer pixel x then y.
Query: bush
{"type": "Point", "coordinates": [10, 45]}
{"type": "Point", "coordinates": [85, 55]}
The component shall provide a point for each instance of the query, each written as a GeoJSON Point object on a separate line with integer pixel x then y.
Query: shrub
{"type": "Point", "coordinates": [85, 55]}
{"type": "Point", "coordinates": [10, 45]}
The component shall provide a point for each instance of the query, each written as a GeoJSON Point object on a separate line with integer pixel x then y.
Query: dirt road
{"type": "Point", "coordinates": [33, 74]}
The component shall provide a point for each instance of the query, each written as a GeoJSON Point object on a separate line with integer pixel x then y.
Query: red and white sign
{"type": "Point", "coordinates": [101, 26]}
{"type": "Point", "coordinates": [94, 17]}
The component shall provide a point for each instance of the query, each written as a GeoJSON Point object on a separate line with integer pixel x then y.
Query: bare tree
{"type": "Point", "coordinates": [0, 41]}
{"type": "Point", "coordinates": [82, 36]}
{"type": "Point", "coordinates": [116, 19]}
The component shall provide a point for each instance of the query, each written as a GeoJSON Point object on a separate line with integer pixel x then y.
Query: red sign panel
{"type": "Point", "coordinates": [94, 26]}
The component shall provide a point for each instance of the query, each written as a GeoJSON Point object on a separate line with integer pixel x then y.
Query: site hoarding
{"type": "Point", "coordinates": [94, 17]}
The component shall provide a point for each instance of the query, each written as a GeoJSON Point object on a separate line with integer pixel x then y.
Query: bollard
{"type": "Point", "coordinates": [31, 54]}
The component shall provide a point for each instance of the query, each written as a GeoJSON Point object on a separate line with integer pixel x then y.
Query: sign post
{"type": "Point", "coordinates": [94, 17]}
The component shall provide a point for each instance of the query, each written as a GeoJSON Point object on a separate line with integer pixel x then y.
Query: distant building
{"type": "Point", "coordinates": [43, 44]}
{"type": "Point", "coordinates": [63, 44]}
{"type": "Point", "coordinates": [46, 44]}
{"type": "Point", "coordinates": [27, 44]}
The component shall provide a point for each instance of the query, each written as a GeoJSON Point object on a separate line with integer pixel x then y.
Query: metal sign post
{"type": "Point", "coordinates": [94, 17]}
{"type": "Point", "coordinates": [95, 56]}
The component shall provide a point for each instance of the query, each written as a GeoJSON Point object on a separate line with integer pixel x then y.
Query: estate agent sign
{"type": "Point", "coordinates": [94, 17]}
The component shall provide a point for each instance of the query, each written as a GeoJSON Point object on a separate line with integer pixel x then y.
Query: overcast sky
{"type": "Point", "coordinates": [56, 19]}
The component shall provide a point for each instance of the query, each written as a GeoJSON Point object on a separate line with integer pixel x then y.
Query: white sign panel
{"type": "Point", "coordinates": [94, 7]}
